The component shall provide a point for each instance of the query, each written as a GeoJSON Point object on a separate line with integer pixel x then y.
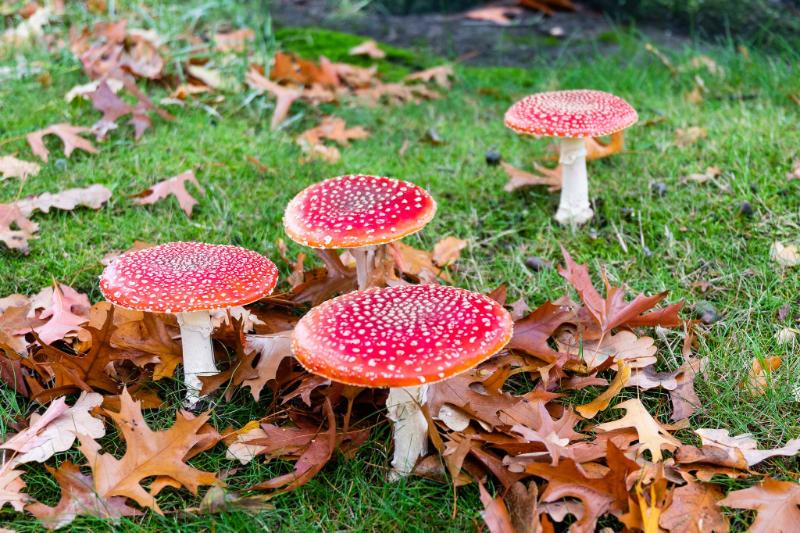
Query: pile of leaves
{"type": "Point", "coordinates": [116, 59]}
{"type": "Point", "coordinates": [508, 423]}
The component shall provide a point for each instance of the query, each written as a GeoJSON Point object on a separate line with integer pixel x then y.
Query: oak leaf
{"type": "Point", "coordinates": [15, 228]}
{"type": "Point", "coordinates": [284, 96]}
{"type": "Point", "coordinates": [775, 502]}
{"type": "Point", "coordinates": [531, 333]}
{"type": "Point", "coordinates": [745, 444]}
{"type": "Point", "coordinates": [502, 16]}
{"type": "Point", "coordinates": [112, 106]}
{"type": "Point", "coordinates": [368, 48]}
{"type": "Point", "coordinates": [694, 510]}
{"type": "Point", "coordinates": [78, 499]}
{"type": "Point", "coordinates": [148, 453]}
{"type": "Point", "coordinates": [448, 250]}
{"type": "Point", "coordinates": [637, 352]}
{"type": "Point", "coordinates": [233, 41]}
{"type": "Point", "coordinates": [652, 436]}
{"type": "Point", "coordinates": [175, 186]}
{"type": "Point", "coordinates": [62, 321]}
{"type": "Point", "coordinates": [272, 350]}
{"type": "Point", "coordinates": [601, 403]}
{"type": "Point", "coordinates": [69, 135]}
{"type": "Point", "coordinates": [519, 178]}
{"type": "Point", "coordinates": [439, 75]}
{"type": "Point", "coordinates": [11, 486]}
{"type": "Point", "coordinates": [56, 429]}
{"type": "Point", "coordinates": [613, 311]}
{"type": "Point", "coordinates": [11, 167]}
{"type": "Point", "coordinates": [495, 513]}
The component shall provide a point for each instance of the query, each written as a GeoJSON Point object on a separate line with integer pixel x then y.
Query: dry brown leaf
{"type": "Point", "coordinates": [148, 453]}
{"type": "Point", "coordinates": [495, 513]}
{"type": "Point", "coordinates": [368, 48]}
{"type": "Point", "coordinates": [11, 486]}
{"type": "Point", "coordinates": [69, 135]}
{"type": "Point", "coordinates": [78, 499]}
{"type": "Point", "coordinates": [11, 167]}
{"type": "Point", "coordinates": [284, 96]}
{"type": "Point", "coordinates": [795, 173]}
{"type": "Point", "coordinates": [775, 502]}
{"type": "Point", "coordinates": [602, 402]}
{"type": "Point", "coordinates": [213, 78]}
{"type": "Point", "coordinates": [56, 429]}
{"type": "Point", "coordinates": [689, 136]}
{"type": "Point", "coordinates": [440, 75]}
{"type": "Point", "coordinates": [272, 350]}
{"type": "Point", "coordinates": [59, 312]}
{"type": "Point", "coordinates": [784, 255]}
{"type": "Point", "coordinates": [334, 129]}
{"type": "Point", "coordinates": [652, 436]}
{"type": "Point", "coordinates": [448, 250]}
{"type": "Point", "coordinates": [636, 352]}
{"type": "Point", "coordinates": [15, 228]}
{"type": "Point", "coordinates": [414, 262]}
{"type": "Point", "coordinates": [694, 510]}
{"type": "Point", "coordinates": [233, 41]}
{"type": "Point", "coordinates": [758, 377]}
{"type": "Point", "coordinates": [92, 197]}
{"type": "Point", "coordinates": [500, 15]}
{"type": "Point", "coordinates": [745, 444]}
{"type": "Point", "coordinates": [709, 174]}
{"type": "Point", "coordinates": [176, 186]}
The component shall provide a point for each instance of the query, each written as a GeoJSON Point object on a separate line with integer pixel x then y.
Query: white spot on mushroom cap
{"type": "Point", "coordinates": [357, 210]}
{"type": "Point", "coordinates": [400, 336]}
{"type": "Point", "coordinates": [581, 113]}
{"type": "Point", "coordinates": [188, 276]}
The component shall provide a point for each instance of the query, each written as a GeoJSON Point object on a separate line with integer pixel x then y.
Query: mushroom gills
{"type": "Point", "coordinates": [404, 409]}
{"type": "Point", "coordinates": [198, 353]}
{"type": "Point", "coordinates": [574, 207]}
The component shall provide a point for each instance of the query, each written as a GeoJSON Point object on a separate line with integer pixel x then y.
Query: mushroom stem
{"type": "Point", "coordinates": [365, 262]}
{"type": "Point", "coordinates": [574, 208]}
{"type": "Point", "coordinates": [198, 354]}
{"type": "Point", "coordinates": [404, 406]}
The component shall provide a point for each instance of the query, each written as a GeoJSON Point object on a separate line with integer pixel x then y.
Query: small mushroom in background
{"type": "Point", "coordinates": [405, 338]}
{"type": "Point", "coordinates": [357, 212]}
{"type": "Point", "coordinates": [572, 116]}
{"type": "Point", "coordinates": [189, 279]}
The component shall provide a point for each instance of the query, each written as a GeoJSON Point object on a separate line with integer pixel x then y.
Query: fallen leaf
{"type": "Point", "coordinates": [758, 377]}
{"type": "Point", "coordinates": [15, 228]}
{"type": "Point", "coordinates": [683, 397]}
{"type": "Point", "coordinates": [148, 453]}
{"type": "Point", "coordinates": [213, 78]}
{"type": "Point", "coordinates": [636, 352]}
{"type": "Point", "coordinates": [335, 129]}
{"type": "Point", "coordinates": [502, 16]}
{"type": "Point", "coordinates": [448, 250]}
{"type": "Point", "coordinates": [709, 174]}
{"type": "Point", "coordinates": [284, 96]}
{"type": "Point", "coordinates": [219, 500]}
{"type": "Point", "coordinates": [495, 513]}
{"type": "Point", "coordinates": [518, 178]}
{"type": "Point", "coordinates": [689, 136]}
{"type": "Point", "coordinates": [745, 444]}
{"type": "Point", "coordinates": [795, 172]}
{"type": "Point", "coordinates": [602, 402]}
{"type": "Point", "coordinates": [83, 91]}
{"type": "Point", "coordinates": [11, 486]}
{"type": "Point", "coordinates": [62, 321]}
{"type": "Point", "coordinates": [239, 443]}
{"type": "Point", "coordinates": [272, 350]}
{"type": "Point", "coordinates": [69, 135]}
{"type": "Point", "coordinates": [233, 41]}
{"type": "Point", "coordinates": [368, 48]}
{"type": "Point", "coordinates": [175, 186]}
{"type": "Point", "coordinates": [652, 436]}
{"type": "Point", "coordinates": [93, 197]}
{"type": "Point", "coordinates": [775, 502]}
{"type": "Point", "coordinates": [112, 106]}
{"type": "Point", "coordinates": [78, 499]}
{"type": "Point", "coordinates": [11, 167]}
{"type": "Point", "coordinates": [56, 429]}
{"type": "Point", "coordinates": [694, 510]}
{"type": "Point", "coordinates": [439, 75]}
{"type": "Point", "coordinates": [531, 334]}
{"type": "Point", "coordinates": [785, 256]}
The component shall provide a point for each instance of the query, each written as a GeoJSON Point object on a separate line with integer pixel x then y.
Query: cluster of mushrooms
{"type": "Point", "coordinates": [402, 337]}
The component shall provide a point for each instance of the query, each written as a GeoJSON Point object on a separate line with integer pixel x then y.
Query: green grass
{"type": "Point", "coordinates": [753, 141]}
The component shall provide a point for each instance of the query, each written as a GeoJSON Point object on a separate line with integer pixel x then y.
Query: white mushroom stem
{"type": "Point", "coordinates": [198, 353]}
{"type": "Point", "coordinates": [404, 406]}
{"type": "Point", "coordinates": [574, 208]}
{"type": "Point", "coordinates": [365, 262]}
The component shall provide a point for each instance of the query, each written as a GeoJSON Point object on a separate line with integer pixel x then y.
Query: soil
{"type": "Point", "coordinates": [581, 33]}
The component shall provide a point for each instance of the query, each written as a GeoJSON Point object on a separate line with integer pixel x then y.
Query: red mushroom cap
{"type": "Point", "coordinates": [400, 336]}
{"type": "Point", "coordinates": [180, 277]}
{"type": "Point", "coordinates": [583, 113]}
{"type": "Point", "coordinates": [354, 211]}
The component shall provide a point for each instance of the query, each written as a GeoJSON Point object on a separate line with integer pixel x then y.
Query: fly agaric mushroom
{"type": "Point", "coordinates": [189, 279]}
{"type": "Point", "coordinates": [573, 116]}
{"type": "Point", "coordinates": [404, 338]}
{"type": "Point", "coordinates": [357, 212]}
